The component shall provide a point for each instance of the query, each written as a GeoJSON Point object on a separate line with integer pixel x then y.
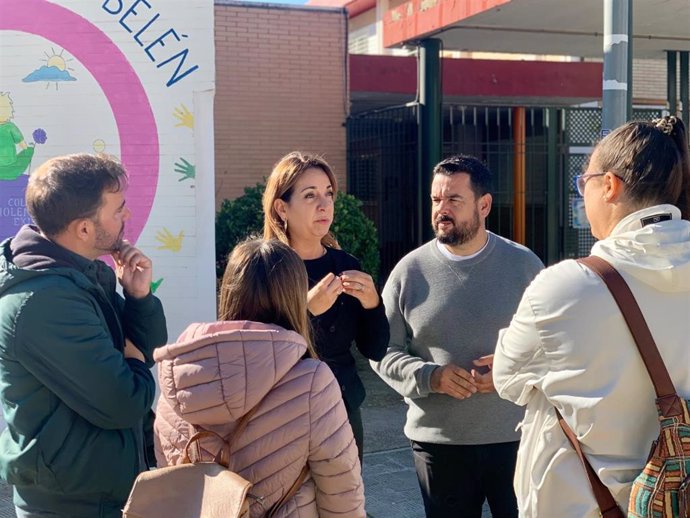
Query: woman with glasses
{"type": "Point", "coordinates": [568, 347]}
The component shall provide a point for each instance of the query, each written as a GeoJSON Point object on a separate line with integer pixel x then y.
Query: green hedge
{"type": "Point", "coordinates": [243, 217]}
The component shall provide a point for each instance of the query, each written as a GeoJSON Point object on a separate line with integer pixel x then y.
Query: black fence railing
{"type": "Point", "coordinates": [383, 172]}
{"type": "Point", "coordinates": [383, 169]}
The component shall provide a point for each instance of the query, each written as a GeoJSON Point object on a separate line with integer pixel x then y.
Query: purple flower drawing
{"type": "Point", "coordinates": [39, 136]}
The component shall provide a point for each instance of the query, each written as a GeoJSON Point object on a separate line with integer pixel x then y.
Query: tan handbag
{"type": "Point", "coordinates": [200, 489]}
{"type": "Point", "coordinates": [190, 490]}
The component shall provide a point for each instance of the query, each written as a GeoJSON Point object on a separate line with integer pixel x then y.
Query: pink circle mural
{"type": "Point", "coordinates": [136, 125]}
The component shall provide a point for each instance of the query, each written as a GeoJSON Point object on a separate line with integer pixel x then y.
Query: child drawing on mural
{"type": "Point", "coordinates": [12, 164]}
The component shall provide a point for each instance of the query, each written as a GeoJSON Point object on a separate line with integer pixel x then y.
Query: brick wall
{"type": "Point", "coordinates": [281, 85]}
{"type": "Point", "coordinates": [649, 81]}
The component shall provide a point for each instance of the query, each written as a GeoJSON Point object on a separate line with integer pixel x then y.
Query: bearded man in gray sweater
{"type": "Point", "coordinates": [446, 302]}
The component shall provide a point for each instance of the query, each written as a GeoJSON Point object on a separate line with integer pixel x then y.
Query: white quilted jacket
{"type": "Point", "coordinates": [215, 373]}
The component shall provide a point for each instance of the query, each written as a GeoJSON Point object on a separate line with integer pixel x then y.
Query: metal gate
{"type": "Point", "coordinates": [383, 172]}
{"type": "Point", "coordinates": [489, 133]}
{"type": "Point", "coordinates": [383, 169]}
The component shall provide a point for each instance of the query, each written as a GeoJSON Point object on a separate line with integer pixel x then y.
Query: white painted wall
{"type": "Point", "coordinates": [173, 218]}
{"type": "Point", "coordinates": [133, 81]}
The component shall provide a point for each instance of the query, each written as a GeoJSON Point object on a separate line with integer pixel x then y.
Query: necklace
{"type": "Point", "coordinates": [321, 253]}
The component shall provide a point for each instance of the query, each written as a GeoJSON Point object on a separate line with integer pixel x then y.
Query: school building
{"type": "Point", "coordinates": [520, 86]}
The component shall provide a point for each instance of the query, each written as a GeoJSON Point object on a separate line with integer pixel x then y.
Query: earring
{"type": "Point", "coordinates": [285, 225]}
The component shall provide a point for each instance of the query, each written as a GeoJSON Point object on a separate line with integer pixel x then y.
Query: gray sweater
{"type": "Point", "coordinates": [443, 311]}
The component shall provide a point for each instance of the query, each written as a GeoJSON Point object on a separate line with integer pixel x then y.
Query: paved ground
{"type": "Point", "coordinates": [389, 478]}
{"type": "Point", "coordinates": [390, 483]}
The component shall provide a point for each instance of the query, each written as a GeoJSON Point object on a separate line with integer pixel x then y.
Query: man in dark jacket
{"type": "Point", "coordinates": [75, 384]}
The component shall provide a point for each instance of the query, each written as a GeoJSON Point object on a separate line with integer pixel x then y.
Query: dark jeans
{"type": "Point", "coordinates": [455, 480]}
{"type": "Point", "coordinates": [355, 418]}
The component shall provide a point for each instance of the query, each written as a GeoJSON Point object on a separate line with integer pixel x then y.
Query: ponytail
{"type": "Point", "coordinates": [679, 135]}
{"type": "Point", "coordinates": [652, 159]}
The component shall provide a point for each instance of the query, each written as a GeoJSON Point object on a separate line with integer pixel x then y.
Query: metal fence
{"type": "Point", "coordinates": [383, 172]}
{"type": "Point", "coordinates": [488, 133]}
{"type": "Point", "coordinates": [383, 169]}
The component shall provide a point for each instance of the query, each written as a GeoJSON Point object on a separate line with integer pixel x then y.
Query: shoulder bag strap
{"type": "Point", "coordinates": [196, 436]}
{"type": "Point", "coordinates": [223, 456]}
{"type": "Point", "coordinates": [663, 386]}
{"type": "Point", "coordinates": [608, 507]}
{"type": "Point", "coordinates": [241, 425]}
{"type": "Point", "coordinates": [290, 493]}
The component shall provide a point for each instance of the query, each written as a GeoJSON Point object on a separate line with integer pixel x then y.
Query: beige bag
{"type": "Point", "coordinates": [199, 489]}
{"type": "Point", "coordinates": [190, 490]}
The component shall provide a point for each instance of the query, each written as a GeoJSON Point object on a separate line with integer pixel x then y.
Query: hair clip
{"type": "Point", "coordinates": [665, 124]}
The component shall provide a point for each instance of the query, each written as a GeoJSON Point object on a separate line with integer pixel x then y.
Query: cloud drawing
{"type": "Point", "coordinates": [48, 74]}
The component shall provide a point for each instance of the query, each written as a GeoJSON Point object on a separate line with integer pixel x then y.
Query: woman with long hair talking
{"type": "Point", "coordinates": [344, 304]}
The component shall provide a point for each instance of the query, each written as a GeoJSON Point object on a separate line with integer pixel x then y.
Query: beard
{"type": "Point", "coordinates": [458, 234]}
{"type": "Point", "coordinates": [106, 243]}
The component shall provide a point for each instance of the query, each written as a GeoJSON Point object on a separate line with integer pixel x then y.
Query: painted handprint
{"type": "Point", "coordinates": [168, 241]}
{"type": "Point", "coordinates": [185, 117]}
{"type": "Point", "coordinates": [187, 170]}
{"type": "Point", "coordinates": [156, 284]}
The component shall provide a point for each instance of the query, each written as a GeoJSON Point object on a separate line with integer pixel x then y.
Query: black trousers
{"type": "Point", "coordinates": [456, 479]}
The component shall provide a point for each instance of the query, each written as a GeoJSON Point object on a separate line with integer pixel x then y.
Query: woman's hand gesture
{"type": "Point", "coordinates": [361, 286]}
{"type": "Point", "coordinates": [324, 294]}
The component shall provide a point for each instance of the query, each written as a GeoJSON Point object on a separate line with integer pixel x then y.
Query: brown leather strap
{"type": "Point", "coordinates": [291, 492]}
{"type": "Point", "coordinates": [607, 504]}
{"type": "Point", "coordinates": [221, 456]}
{"type": "Point", "coordinates": [663, 386]}
{"type": "Point", "coordinates": [241, 425]}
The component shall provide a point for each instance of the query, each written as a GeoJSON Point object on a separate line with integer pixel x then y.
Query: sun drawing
{"type": "Point", "coordinates": [56, 60]}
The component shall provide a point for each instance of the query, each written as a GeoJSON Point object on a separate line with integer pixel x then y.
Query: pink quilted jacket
{"type": "Point", "coordinates": [215, 373]}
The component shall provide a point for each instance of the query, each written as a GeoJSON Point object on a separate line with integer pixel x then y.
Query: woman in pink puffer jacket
{"type": "Point", "coordinates": [259, 354]}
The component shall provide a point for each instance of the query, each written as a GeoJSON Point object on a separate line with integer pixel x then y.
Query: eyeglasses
{"type": "Point", "coordinates": [581, 180]}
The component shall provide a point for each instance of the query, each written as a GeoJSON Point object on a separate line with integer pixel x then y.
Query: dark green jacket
{"type": "Point", "coordinates": [74, 405]}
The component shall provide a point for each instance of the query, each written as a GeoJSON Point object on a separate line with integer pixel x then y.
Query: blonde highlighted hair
{"type": "Point", "coordinates": [280, 185]}
{"type": "Point", "coordinates": [266, 281]}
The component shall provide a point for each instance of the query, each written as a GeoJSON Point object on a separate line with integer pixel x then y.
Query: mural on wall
{"type": "Point", "coordinates": [131, 78]}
